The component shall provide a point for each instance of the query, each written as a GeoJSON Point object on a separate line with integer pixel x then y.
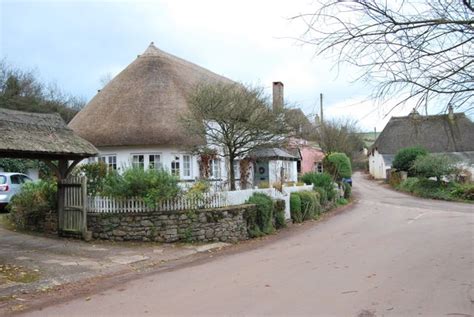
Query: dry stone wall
{"type": "Point", "coordinates": [205, 225]}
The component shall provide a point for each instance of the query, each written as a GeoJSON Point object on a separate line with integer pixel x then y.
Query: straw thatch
{"type": "Point", "coordinates": [437, 134]}
{"type": "Point", "coordinates": [144, 103]}
{"type": "Point", "coordinates": [272, 153]}
{"type": "Point", "coordinates": [41, 136]}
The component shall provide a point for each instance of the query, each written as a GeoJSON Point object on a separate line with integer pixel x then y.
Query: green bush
{"type": "Point", "coordinates": [295, 208]}
{"type": "Point", "coordinates": [323, 195]}
{"type": "Point", "coordinates": [435, 190]}
{"type": "Point", "coordinates": [261, 222]}
{"type": "Point", "coordinates": [341, 201]}
{"type": "Point", "coordinates": [404, 158]}
{"type": "Point", "coordinates": [32, 203]}
{"type": "Point", "coordinates": [347, 190]}
{"type": "Point", "coordinates": [338, 165]}
{"type": "Point", "coordinates": [151, 185]}
{"type": "Point", "coordinates": [433, 166]}
{"type": "Point", "coordinates": [321, 180]}
{"type": "Point", "coordinates": [95, 173]}
{"type": "Point", "coordinates": [279, 214]}
{"type": "Point", "coordinates": [409, 184]}
{"type": "Point", "coordinates": [464, 191]}
{"type": "Point", "coordinates": [310, 207]}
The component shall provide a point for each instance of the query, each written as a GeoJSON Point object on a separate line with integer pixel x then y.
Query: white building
{"type": "Point", "coordinates": [135, 119]}
{"type": "Point", "coordinates": [451, 134]}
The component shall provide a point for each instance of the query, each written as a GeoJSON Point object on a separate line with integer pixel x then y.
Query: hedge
{"type": "Point", "coordinates": [295, 208]}
{"type": "Point", "coordinates": [260, 222]}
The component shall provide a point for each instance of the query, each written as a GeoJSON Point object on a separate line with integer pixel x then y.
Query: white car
{"type": "Point", "coordinates": [10, 184]}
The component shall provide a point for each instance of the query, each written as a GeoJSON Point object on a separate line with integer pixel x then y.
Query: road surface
{"type": "Point", "coordinates": [390, 255]}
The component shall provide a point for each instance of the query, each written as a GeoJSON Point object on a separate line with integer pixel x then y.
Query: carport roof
{"type": "Point", "coordinates": [40, 136]}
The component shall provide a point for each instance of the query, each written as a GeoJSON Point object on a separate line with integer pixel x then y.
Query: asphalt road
{"type": "Point", "coordinates": [390, 255]}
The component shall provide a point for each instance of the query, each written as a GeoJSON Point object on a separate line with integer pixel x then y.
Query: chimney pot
{"type": "Point", "coordinates": [450, 112]}
{"type": "Point", "coordinates": [278, 97]}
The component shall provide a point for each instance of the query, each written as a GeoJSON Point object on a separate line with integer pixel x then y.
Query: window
{"type": "Point", "coordinates": [175, 166]}
{"type": "Point", "coordinates": [3, 179]}
{"type": "Point", "coordinates": [109, 160]}
{"type": "Point", "coordinates": [91, 160]}
{"type": "Point", "coordinates": [318, 167]}
{"type": "Point", "coordinates": [138, 161]}
{"type": "Point", "coordinates": [154, 162]}
{"type": "Point", "coordinates": [237, 169]}
{"type": "Point", "coordinates": [215, 168]}
{"type": "Point", "coordinates": [186, 165]}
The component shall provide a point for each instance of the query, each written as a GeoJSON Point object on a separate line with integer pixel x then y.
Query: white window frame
{"type": "Point", "coordinates": [135, 159]}
{"type": "Point", "coordinates": [215, 168]}
{"type": "Point", "coordinates": [236, 168]}
{"type": "Point", "coordinates": [176, 158]}
{"type": "Point", "coordinates": [187, 166]}
{"type": "Point", "coordinates": [155, 166]}
{"type": "Point", "coordinates": [110, 160]}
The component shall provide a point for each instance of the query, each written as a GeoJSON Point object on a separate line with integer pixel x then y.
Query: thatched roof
{"type": "Point", "coordinates": [40, 135]}
{"type": "Point", "coordinates": [144, 103]}
{"type": "Point", "coordinates": [437, 134]}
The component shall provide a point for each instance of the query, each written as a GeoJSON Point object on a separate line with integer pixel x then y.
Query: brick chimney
{"type": "Point", "coordinates": [278, 99]}
{"type": "Point", "coordinates": [450, 112]}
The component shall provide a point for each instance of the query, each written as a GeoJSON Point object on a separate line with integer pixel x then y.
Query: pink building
{"type": "Point", "coordinates": [310, 154]}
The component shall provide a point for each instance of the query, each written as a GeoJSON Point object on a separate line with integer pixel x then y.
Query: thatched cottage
{"type": "Point", "coordinates": [135, 119]}
{"type": "Point", "coordinates": [451, 134]}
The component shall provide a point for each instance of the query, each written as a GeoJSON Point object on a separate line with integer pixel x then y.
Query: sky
{"type": "Point", "coordinates": [74, 44]}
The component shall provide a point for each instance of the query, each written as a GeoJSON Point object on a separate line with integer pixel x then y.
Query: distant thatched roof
{"type": "Point", "coordinates": [39, 135]}
{"type": "Point", "coordinates": [143, 104]}
{"type": "Point", "coordinates": [437, 134]}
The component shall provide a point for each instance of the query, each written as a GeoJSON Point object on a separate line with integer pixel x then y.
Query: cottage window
{"type": "Point", "coordinates": [109, 160]}
{"type": "Point", "coordinates": [154, 162]}
{"type": "Point", "coordinates": [175, 166]}
{"type": "Point", "coordinates": [186, 165]}
{"type": "Point", "coordinates": [237, 169]}
{"type": "Point", "coordinates": [138, 161]}
{"type": "Point", "coordinates": [215, 168]}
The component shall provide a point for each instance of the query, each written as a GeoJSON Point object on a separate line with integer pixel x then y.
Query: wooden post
{"type": "Point", "coordinates": [85, 206]}
{"type": "Point", "coordinates": [62, 172]}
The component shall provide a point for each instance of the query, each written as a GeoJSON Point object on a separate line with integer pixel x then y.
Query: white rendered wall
{"type": "Point", "coordinates": [377, 166]}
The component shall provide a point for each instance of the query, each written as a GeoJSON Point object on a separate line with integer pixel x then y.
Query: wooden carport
{"type": "Point", "coordinates": [43, 137]}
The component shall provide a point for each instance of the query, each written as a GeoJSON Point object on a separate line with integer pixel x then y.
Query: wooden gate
{"type": "Point", "coordinates": [73, 218]}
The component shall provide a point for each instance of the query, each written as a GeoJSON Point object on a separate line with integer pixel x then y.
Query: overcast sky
{"type": "Point", "coordinates": [76, 43]}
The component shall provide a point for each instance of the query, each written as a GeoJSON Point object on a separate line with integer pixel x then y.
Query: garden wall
{"type": "Point", "coordinates": [225, 224]}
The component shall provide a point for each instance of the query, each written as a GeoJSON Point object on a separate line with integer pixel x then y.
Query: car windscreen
{"type": "Point", "coordinates": [3, 179]}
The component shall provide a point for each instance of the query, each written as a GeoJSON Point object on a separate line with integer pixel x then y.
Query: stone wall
{"type": "Point", "coordinates": [222, 224]}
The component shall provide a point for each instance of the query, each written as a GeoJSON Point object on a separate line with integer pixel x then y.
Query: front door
{"type": "Point", "coordinates": [261, 172]}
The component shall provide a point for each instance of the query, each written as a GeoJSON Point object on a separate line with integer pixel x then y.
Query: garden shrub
{"type": "Point", "coordinates": [95, 173]}
{"type": "Point", "coordinates": [151, 185]}
{"type": "Point", "coordinates": [295, 208]}
{"type": "Point", "coordinates": [321, 180]}
{"type": "Point", "coordinates": [279, 214]}
{"type": "Point", "coordinates": [433, 166]}
{"type": "Point", "coordinates": [323, 196]}
{"type": "Point", "coordinates": [31, 204]}
{"type": "Point", "coordinates": [341, 201]}
{"type": "Point", "coordinates": [347, 190]}
{"type": "Point", "coordinates": [310, 206]}
{"type": "Point", "coordinates": [338, 165]}
{"type": "Point", "coordinates": [404, 158]}
{"type": "Point", "coordinates": [464, 191]}
{"type": "Point", "coordinates": [263, 218]}
{"type": "Point", "coordinates": [409, 184]}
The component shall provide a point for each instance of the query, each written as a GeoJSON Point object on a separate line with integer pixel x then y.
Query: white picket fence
{"type": "Point", "coordinates": [209, 200]}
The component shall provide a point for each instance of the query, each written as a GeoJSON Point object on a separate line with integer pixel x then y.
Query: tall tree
{"type": "Point", "coordinates": [22, 90]}
{"type": "Point", "coordinates": [422, 50]}
{"type": "Point", "coordinates": [235, 118]}
{"type": "Point", "coordinates": [339, 135]}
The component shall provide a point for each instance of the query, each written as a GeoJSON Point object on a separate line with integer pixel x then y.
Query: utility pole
{"type": "Point", "coordinates": [321, 105]}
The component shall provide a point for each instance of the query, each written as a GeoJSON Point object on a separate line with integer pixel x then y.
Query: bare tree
{"type": "Point", "coordinates": [235, 118]}
{"type": "Point", "coordinates": [420, 50]}
{"type": "Point", "coordinates": [339, 135]}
